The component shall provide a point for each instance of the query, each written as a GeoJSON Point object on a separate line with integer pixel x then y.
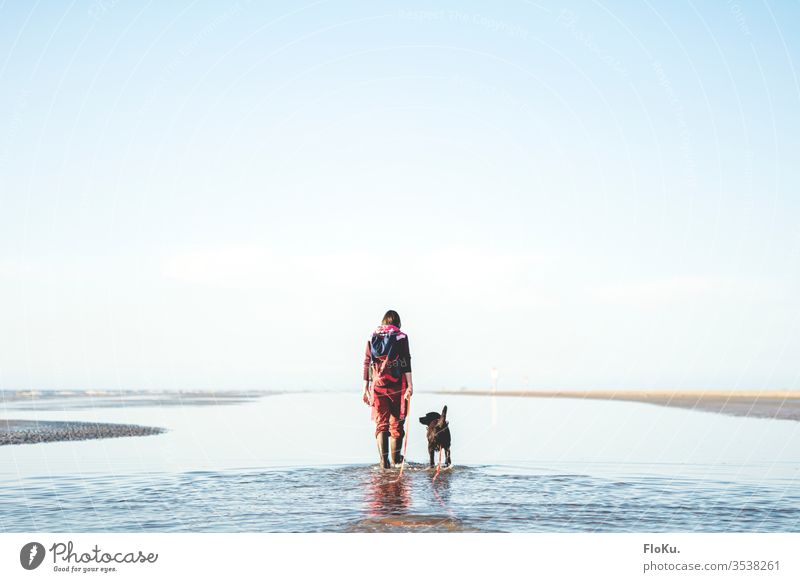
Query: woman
{"type": "Point", "coordinates": [387, 386]}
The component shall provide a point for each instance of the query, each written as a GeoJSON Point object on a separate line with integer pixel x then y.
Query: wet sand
{"type": "Point", "coordinates": [18, 432]}
{"type": "Point", "coordinates": [25, 432]}
{"type": "Point", "coordinates": [779, 404]}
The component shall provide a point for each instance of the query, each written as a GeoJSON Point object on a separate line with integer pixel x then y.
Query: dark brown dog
{"type": "Point", "coordinates": [438, 434]}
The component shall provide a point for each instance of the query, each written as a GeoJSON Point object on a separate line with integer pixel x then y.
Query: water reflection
{"type": "Point", "coordinates": [387, 495]}
{"type": "Point", "coordinates": [362, 498]}
{"type": "Point", "coordinates": [440, 487]}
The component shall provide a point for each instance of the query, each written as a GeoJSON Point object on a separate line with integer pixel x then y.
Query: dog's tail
{"type": "Point", "coordinates": [443, 418]}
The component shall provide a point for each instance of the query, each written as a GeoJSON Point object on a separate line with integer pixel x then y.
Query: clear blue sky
{"type": "Point", "coordinates": [229, 195]}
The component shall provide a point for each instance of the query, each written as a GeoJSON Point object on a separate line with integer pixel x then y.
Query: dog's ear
{"type": "Point", "coordinates": [443, 418]}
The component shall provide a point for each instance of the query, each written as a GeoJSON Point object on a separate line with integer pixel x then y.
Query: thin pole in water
{"type": "Point", "coordinates": [495, 375]}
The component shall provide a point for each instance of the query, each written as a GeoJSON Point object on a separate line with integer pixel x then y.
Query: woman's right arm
{"type": "Point", "coordinates": [409, 385]}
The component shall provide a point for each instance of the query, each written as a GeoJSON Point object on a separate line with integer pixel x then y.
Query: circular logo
{"type": "Point", "coordinates": [31, 555]}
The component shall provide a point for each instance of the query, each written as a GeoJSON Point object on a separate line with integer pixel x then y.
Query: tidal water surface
{"type": "Point", "coordinates": [305, 462]}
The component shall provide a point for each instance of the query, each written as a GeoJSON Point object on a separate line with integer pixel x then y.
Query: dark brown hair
{"type": "Point", "coordinates": [391, 318]}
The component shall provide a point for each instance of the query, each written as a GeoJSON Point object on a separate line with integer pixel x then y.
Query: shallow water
{"type": "Point", "coordinates": [363, 498]}
{"type": "Point", "coordinates": [303, 463]}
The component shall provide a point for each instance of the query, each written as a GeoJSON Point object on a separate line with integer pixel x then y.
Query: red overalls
{"type": "Point", "coordinates": [386, 360]}
{"type": "Point", "coordinates": [389, 411]}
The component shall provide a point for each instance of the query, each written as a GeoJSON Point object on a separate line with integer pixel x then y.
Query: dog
{"type": "Point", "coordinates": [438, 434]}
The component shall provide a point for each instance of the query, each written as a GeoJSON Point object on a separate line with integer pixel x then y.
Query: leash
{"type": "Point", "coordinates": [405, 442]}
{"type": "Point", "coordinates": [439, 466]}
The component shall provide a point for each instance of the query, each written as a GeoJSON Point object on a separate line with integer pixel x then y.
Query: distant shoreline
{"type": "Point", "coordinates": [115, 398]}
{"type": "Point", "coordinates": [776, 404]}
{"type": "Point", "coordinates": [21, 432]}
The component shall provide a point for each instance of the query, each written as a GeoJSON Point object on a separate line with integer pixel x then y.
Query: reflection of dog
{"type": "Point", "coordinates": [438, 433]}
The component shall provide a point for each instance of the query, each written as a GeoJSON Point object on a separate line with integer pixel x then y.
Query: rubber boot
{"type": "Point", "coordinates": [383, 449]}
{"type": "Point", "coordinates": [395, 448]}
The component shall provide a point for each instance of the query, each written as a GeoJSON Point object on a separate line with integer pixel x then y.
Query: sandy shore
{"type": "Point", "coordinates": [780, 404]}
{"type": "Point", "coordinates": [24, 432]}
{"type": "Point", "coordinates": [17, 432]}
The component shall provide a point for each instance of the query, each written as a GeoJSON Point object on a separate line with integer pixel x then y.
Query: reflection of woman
{"type": "Point", "coordinates": [387, 496]}
{"type": "Point", "coordinates": [387, 386]}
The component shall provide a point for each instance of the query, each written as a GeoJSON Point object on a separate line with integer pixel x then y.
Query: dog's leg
{"type": "Point", "coordinates": [447, 457]}
{"type": "Point", "coordinates": [430, 450]}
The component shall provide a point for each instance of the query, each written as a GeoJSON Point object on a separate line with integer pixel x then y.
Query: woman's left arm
{"type": "Point", "coordinates": [405, 359]}
{"type": "Point", "coordinates": [365, 395]}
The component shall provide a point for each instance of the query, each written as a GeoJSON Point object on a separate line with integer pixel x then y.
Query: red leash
{"type": "Point", "coordinates": [439, 466]}
{"type": "Point", "coordinates": [405, 442]}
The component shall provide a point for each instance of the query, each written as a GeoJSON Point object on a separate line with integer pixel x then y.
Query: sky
{"type": "Point", "coordinates": [588, 195]}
